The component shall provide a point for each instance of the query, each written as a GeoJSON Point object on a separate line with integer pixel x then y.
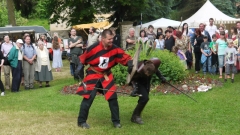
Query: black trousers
{"type": "Point", "coordinates": [16, 76]}
{"type": "Point", "coordinates": [197, 60]}
{"type": "Point", "coordinates": [74, 67]}
{"type": "Point", "coordinates": [86, 104]}
{"type": "Point", "coordinates": [144, 90]}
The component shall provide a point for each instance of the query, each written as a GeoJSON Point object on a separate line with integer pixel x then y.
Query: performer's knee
{"type": "Point", "coordinates": [143, 100]}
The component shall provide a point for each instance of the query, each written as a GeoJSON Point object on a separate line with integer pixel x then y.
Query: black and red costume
{"type": "Point", "coordinates": [99, 75]}
{"type": "Point", "coordinates": [141, 85]}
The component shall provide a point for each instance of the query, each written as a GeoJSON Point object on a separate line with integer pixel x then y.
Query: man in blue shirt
{"type": "Point", "coordinates": [29, 55]}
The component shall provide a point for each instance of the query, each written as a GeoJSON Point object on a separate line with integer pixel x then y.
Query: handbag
{"type": "Point", "coordinates": [6, 62]}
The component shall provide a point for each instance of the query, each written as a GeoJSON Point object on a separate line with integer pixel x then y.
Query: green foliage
{"type": "Point", "coordinates": [4, 16]}
{"type": "Point", "coordinates": [40, 10]}
{"type": "Point", "coordinates": [170, 67]}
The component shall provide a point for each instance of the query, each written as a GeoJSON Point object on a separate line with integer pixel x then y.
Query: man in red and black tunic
{"type": "Point", "coordinates": [101, 57]}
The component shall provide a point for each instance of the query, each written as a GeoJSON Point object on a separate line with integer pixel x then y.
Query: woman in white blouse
{"type": "Point", "coordinates": [43, 71]}
{"type": "Point", "coordinates": [143, 36]}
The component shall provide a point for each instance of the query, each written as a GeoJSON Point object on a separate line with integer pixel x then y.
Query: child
{"type": "Point", "coordinates": [230, 60]}
{"type": "Point", "coordinates": [221, 45]}
{"type": "Point", "coordinates": [206, 55]}
{"type": "Point", "coordinates": [214, 54]}
{"type": "Point", "coordinates": [181, 55]}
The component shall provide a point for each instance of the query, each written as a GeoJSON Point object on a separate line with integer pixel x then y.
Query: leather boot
{"type": "Point", "coordinates": [134, 93]}
{"type": "Point", "coordinates": [136, 118]}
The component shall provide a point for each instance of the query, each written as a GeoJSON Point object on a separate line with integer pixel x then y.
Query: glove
{"type": "Point", "coordinates": [130, 66]}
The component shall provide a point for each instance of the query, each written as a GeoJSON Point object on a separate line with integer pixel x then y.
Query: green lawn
{"type": "Point", "coordinates": [47, 111]}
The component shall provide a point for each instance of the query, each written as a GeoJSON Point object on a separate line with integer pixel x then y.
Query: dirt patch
{"type": "Point", "coordinates": [189, 85]}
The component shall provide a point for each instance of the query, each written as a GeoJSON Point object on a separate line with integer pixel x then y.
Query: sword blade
{"type": "Point", "coordinates": [181, 91]}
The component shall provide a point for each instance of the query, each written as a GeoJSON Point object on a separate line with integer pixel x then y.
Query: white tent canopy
{"type": "Point", "coordinates": [208, 10]}
{"type": "Point", "coordinates": [162, 22]}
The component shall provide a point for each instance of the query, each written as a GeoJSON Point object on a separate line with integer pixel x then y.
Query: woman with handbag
{"type": "Point", "coordinates": [6, 47]}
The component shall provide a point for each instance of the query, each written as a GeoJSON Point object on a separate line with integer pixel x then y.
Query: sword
{"type": "Point", "coordinates": [181, 91]}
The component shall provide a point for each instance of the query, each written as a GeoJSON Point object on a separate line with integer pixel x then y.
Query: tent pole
{"type": "Point", "coordinates": [85, 32]}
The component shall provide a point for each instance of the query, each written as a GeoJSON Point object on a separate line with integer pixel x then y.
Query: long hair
{"type": "Point", "coordinates": [55, 43]}
{"type": "Point", "coordinates": [145, 35]}
{"type": "Point", "coordinates": [183, 28]}
{"type": "Point", "coordinates": [198, 32]}
{"type": "Point", "coordinates": [223, 33]}
{"type": "Point", "coordinates": [234, 30]}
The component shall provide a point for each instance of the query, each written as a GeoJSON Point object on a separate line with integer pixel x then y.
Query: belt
{"type": "Point", "coordinates": [102, 73]}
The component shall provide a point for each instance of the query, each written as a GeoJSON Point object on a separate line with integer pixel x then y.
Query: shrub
{"type": "Point", "coordinates": [170, 67]}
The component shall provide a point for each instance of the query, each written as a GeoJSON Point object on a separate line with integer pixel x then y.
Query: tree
{"type": "Point", "coordinates": [26, 7]}
{"type": "Point", "coordinates": [11, 14]}
{"type": "Point", "coordinates": [81, 11]}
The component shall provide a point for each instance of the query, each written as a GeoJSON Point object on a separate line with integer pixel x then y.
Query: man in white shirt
{"type": "Point", "coordinates": [211, 28]}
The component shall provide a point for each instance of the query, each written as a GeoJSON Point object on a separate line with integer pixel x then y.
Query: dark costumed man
{"type": "Point", "coordinates": [141, 84]}
{"type": "Point", "coordinates": [101, 57]}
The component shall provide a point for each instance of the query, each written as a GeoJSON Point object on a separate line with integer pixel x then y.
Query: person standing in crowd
{"type": "Point", "coordinates": [5, 48]}
{"type": "Point", "coordinates": [233, 35]}
{"type": "Point", "coordinates": [1, 65]}
{"type": "Point", "coordinates": [99, 76]}
{"type": "Point", "coordinates": [43, 71]}
{"type": "Point", "coordinates": [230, 61]}
{"type": "Point", "coordinates": [211, 28]}
{"type": "Point", "coordinates": [75, 44]}
{"type": "Point", "coordinates": [142, 37]}
{"type": "Point", "coordinates": [181, 55]}
{"type": "Point", "coordinates": [221, 45]}
{"type": "Point", "coordinates": [145, 29]}
{"type": "Point", "coordinates": [159, 42]}
{"type": "Point", "coordinates": [92, 36]}
{"type": "Point", "coordinates": [59, 40]}
{"type": "Point", "coordinates": [185, 30]}
{"type": "Point", "coordinates": [57, 54]}
{"type": "Point", "coordinates": [197, 51]}
{"type": "Point", "coordinates": [151, 35]}
{"type": "Point", "coordinates": [214, 61]}
{"type": "Point", "coordinates": [131, 39]}
{"type": "Point", "coordinates": [182, 42]}
{"type": "Point", "coordinates": [159, 30]}
{"type": "Point", "coordinates": [169, 40]}
{"type": "Point", "coordinates": [206, 55]}
{"type": "Point", "coordinates": [203, 32]}
{"type": "Point", "coordinates": [220, 29]}
{"type": "Point", "coordinates": [15, 58]}
{"type": "Point", "coordinates": [43, 38]}
{"type": "Point", "coordinates": [238, 27]}
{"type": "Point", "coordinates": [29, 56]}
{"type": "Point", "coordinates": [116, 38]}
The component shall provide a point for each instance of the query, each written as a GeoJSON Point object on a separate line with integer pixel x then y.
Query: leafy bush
{"type": "Point", "coordinates": [170, 67]}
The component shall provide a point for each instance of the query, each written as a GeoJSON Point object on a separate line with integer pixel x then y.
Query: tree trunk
{"type": "Point", "coordinates": [11, 13]}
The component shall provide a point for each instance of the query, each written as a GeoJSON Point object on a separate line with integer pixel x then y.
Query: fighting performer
{"type": "Point", "coordinates": [101, 57]}
{"type": "Point", "coordinates": [141, 84]}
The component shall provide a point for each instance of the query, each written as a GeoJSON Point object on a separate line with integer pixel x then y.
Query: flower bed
{"type": "Point", "coordinates": [189, 85]}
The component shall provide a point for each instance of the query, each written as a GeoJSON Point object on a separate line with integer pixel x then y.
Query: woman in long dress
{"type": "Point", "coordinates": [57, 55]}
{"type": "Point", "coordinates": [43, 71]}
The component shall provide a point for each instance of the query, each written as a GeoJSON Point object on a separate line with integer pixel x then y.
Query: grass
{"type": "Point", "coordinates": [47, 111]}
{"type": "Point", "coordinates": [38, 22]}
